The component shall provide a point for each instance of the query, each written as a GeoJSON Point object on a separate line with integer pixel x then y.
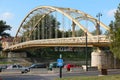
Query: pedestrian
{"type": "Point", "coordinates": [50, 67]}
{"type": "Point", "coordinates": [68, 67]}
{"type": "Point", "coordinates": [0, 69]}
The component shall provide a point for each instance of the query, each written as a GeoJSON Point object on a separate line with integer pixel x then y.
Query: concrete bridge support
{"type": "Point", "coordinates": [104, 59]}
{"type": "Point", "coordinates": [100, 60]}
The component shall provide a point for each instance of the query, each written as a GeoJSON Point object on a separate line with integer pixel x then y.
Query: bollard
{"type": "Point", "coordinates": [104, 71]}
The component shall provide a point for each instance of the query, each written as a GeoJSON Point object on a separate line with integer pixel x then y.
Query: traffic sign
{"type": "Point", "coordinates": [59, 62]}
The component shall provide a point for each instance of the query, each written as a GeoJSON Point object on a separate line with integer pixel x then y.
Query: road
{"type": "Point", "coordinates": [51, 76]}
{"type": "Point", "coordinates": [28, 76]}
{"type": "Point", "coordinates": [25, 77]}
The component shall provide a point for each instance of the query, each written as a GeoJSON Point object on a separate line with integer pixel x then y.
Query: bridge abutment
{"type": "Point", "coordinates": [99, 59]}
{"type": "Point", "coordinates": [103, 60]}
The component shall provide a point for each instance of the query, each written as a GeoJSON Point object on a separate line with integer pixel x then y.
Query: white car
{"type": "Point", "coordinates": [18, 67]}
{"type": "Point", "coordinates": [15, 66]}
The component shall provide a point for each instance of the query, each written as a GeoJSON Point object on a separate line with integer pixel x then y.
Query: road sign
{"type": "Point", "coordinates": [60, 62]}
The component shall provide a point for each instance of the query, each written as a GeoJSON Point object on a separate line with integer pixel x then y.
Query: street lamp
{"type": "Point", "coordinates": [86, 51]}
{"type": "Point", "coordinates": [98, 27]}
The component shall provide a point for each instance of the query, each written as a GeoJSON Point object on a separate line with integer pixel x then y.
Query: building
{"type": "Point", "coordinates": [6, 42]}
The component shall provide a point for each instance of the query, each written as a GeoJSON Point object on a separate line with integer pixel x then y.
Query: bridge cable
{"type": "Point", "coordinates": [42, 28]}
{"type": "Point", "coordinates": [56, 26]}
{"type": "Point", "coordinates": [46, 25]}
{"type": "Point", "coordinates": [34, 32]}
{"type": "Point", "coordinates": [38, 30]}
{"type": "Point", "coordinates": [50, 25]}
{"type": "Point", "coordinates": [62, 25]}
{"type": "Point", "coordinates": [69, 25]}
{"type": "Point", "coordinates": [31, 29]}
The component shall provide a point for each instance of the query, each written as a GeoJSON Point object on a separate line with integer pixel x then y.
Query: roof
{"type": "Point", "coordinates": [8, 39]}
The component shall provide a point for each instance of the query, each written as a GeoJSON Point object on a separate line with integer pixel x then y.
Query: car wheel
{"type": "Point", "coordinates": [22, 72]}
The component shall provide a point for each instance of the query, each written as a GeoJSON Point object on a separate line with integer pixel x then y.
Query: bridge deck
{"type": "Point", "coordinates": [71, 41]}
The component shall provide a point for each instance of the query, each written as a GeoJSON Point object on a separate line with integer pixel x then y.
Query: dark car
{"type": "Point", "coordinates": [3, 67]}
{"type": "Point", "coordinates": [54, 65]}
{"type": "Point", "coordinates": [40, 65]}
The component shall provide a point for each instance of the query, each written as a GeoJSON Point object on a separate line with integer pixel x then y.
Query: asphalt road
{"type": "Point", "coordinates": [52, 75]}
{"type": "Point", "coordinates": [28, 77]}
{"type": "Point", "coordinates": [24, 77]}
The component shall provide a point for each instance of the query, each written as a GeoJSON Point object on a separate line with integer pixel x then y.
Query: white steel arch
{"type": "Point", "coordinates": [64, 11]}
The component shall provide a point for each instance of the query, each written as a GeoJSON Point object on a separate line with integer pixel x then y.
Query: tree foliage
{"type": "Point", "coordinates": [95, 31]}
{"type": "Point", "coordinates": [45, 28]}
{"type": "Point", "coordinates": [115, 34]}
{"type": "Point", "coordinates": [3, 28]}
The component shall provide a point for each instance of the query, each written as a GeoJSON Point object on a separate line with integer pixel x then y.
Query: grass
{"type": "Point", "coordinates": [5, 62]}
{"type": "Point", "coordinates": [109, 77]}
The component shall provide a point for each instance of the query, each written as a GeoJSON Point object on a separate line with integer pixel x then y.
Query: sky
{"type": "Point", "coordinates": [14, 11]}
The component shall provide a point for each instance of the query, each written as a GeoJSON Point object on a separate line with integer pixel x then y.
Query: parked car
{"type": "Point", "coordinates": [71, 65]}
{"type": "Point", "coordinates": [38, 65]}
{"type": "Point", "coordinates": [19, 67]}
{"type": "Point", "coordinates": [54, 65]}
{"type": "Point", "coordinates": [3, 67]}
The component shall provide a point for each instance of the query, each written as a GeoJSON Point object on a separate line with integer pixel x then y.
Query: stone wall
{"type": "Point", "coordinates": [17, 54]}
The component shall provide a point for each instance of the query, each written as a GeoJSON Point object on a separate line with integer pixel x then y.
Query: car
{"type": "Point", "coordinates": [71, 65]}
{"type": "Point", "coordinates": [18, 67]}
{"type": "Point", "coordinates": [53, 65]}
{"type": "Point", "coordinates": [3, 67]}
{"type": "Point", "coordinates": [14, 66]}
{"type": "Point", "coordinates": [38, 65]}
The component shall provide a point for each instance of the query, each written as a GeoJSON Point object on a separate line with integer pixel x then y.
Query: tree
{"type": "Point", "coordinates": [80, 32]}
{"type": "Point", "coordinates": [115, 34]}
{"type": "Point", "coordinates": [45, 29]}
{"type": "Point", "coordinates": [3, 28]}
{"type": "Point", "coordinates": [95, 32]}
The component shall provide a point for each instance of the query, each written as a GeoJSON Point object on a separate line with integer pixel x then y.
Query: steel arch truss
{"type": "Point", "coordinates": [74, 15]}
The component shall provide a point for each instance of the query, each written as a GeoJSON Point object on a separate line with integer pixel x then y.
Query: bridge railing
{"type": "Point", "coordinates": [62, 41]}
{"type": "Point", "coordinates": [73, 40]}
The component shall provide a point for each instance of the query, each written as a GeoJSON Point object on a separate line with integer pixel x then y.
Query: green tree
{"type": "Point", "coordinates": [95, 32]}
{"type": "Point", "coordinates": [3, 28]}
{"type": "Point", "coordinates": [80, 32]}
{"type": "Point", "coordinates": [115, 34]}
{"type": "Point", "coordinates": [49, 23]}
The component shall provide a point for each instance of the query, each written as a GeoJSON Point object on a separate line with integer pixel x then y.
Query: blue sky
{"type": "Point", "coordinates": [13, 11]}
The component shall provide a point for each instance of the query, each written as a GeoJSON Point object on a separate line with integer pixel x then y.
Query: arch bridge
{"type": "Point", "coordinates": [47, 26]}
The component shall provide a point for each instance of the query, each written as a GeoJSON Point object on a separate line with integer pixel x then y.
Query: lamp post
{"type": "Point", "coordinates": [98, 27]}
{"type": "Point", "coordinates": [86, 52]}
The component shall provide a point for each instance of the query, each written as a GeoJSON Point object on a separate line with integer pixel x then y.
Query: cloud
{"type": "Point", "coordinates": [111, 13]}
{"type": "Point", "coordinates": [6, 16]}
